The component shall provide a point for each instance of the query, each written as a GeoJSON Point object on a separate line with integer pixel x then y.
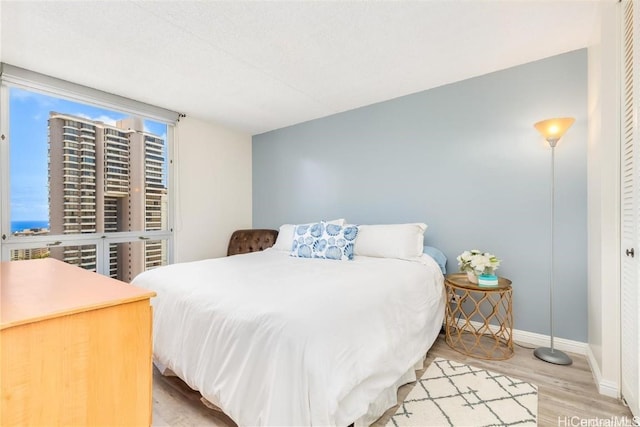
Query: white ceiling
{"type": "Point", "coordinates": [257, 66]}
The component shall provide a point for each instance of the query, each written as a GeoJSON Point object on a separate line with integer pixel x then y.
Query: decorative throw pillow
{"type": "Point", "coordinates": [304, 239]}
{"type": "Point", "coordinates": [324, 240]}
{"type": "Point", "coordinates": [285, 236]}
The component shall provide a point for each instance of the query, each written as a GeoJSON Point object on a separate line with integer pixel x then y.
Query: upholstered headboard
{"type": "Point", "coordinates": [244, 241]}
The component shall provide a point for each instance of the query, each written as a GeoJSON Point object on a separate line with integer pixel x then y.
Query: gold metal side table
{"type": "Point", "coordinates": [479, 319]}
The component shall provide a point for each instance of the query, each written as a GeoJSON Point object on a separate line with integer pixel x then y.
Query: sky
{"type": "Point", "coordinates": [29, 112]}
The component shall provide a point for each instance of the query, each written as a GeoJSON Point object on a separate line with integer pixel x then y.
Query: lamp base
{"type": "Point", "coordinates": [552, 355]}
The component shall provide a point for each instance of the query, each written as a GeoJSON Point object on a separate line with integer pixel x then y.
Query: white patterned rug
{"type": "Point", "coordinates": [454, 394]}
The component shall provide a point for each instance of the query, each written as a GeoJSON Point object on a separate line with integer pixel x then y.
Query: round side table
{"type": "Point", "coordinates": [479, 319]}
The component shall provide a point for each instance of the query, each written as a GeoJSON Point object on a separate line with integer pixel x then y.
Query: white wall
{"type": "Point", "coordinates": [213, 188]}
{"type": "Point", "coordinates": [603, 177]}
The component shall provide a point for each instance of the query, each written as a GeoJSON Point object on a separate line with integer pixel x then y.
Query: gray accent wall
{"type": "Point", "coordinates": [463, 158]}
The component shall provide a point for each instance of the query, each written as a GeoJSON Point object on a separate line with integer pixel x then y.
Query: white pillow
{"type": "Point", "coordinates": [284, 241]}
{"type": "Point", "coordinates": [403, 241]}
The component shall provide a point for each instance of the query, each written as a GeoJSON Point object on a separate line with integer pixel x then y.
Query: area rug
{"type": "Point", "coordinates": [454, 394]}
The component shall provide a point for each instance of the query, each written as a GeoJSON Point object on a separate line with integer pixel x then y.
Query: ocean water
{"type": "Point", "coordinates": [25, 225]}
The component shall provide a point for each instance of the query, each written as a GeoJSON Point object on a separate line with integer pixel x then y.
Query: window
{"type": "Point", "coordinates": [85, 184]}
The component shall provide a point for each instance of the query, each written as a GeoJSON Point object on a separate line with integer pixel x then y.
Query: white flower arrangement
{"type": "Point", "coordinates": [478, 262]}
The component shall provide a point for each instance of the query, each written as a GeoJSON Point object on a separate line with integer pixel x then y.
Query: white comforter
{"type": "Point", "coordinates": [276, 340]}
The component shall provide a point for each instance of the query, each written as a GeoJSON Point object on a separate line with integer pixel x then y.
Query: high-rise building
{"type": "Point", "coordinates": [102, 179]}
{"type": "Point", "coordinates": [30, 253]}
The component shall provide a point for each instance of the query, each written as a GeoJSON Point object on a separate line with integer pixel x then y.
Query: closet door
{"type": "Point", "coordinates": [630, 212]}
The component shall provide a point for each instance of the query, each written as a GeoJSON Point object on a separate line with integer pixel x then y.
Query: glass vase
{"type": "Point", "coordinates": [471, 276]}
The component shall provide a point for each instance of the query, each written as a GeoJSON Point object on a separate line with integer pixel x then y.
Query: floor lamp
{"type": "Point", "coordinates": [552, 130]}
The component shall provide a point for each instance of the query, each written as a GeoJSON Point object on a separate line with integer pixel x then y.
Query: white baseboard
{"type": "Point", "coordinates": [539, 340]}
{"type": "Point", "coordinates": [605, 387]}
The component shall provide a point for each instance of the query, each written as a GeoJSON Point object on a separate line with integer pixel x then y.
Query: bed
{"type": "Point", "coordinates": [274, 339]}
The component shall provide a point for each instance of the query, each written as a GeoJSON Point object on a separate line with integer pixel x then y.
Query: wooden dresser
{"type": "Point", "coordinates": [75, 347]}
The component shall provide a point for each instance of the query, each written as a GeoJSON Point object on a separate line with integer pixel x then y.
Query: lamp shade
{"type": "Point", "coordinates": [553, 129]}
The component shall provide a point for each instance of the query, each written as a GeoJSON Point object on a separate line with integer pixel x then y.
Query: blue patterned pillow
{"type": "Point", "coordinates": [323, 240]}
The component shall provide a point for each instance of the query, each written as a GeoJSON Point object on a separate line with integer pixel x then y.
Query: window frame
{"type": "Point", "coordinates": [49, 86]}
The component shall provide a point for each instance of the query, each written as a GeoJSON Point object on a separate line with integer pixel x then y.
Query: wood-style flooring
{"type": "Point", "coordinates": [563, 392]}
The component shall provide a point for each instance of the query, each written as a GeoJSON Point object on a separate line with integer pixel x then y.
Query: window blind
{"type": "Point", "coordinates": [13, 75]}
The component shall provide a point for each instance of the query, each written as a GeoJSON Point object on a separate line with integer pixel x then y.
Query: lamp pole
{"type": "Point", "coordinates": [549, 354]}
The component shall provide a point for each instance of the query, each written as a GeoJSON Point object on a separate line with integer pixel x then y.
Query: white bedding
{"type": "Point", "coordinates": [277, 340]}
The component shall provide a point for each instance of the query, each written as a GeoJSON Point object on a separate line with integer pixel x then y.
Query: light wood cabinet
{"type": "Point", "coordinates": [75, 347]}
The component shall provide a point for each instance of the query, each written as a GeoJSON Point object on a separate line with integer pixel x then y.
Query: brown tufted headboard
{"type": "Point", "coordinates": [253, 240]}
